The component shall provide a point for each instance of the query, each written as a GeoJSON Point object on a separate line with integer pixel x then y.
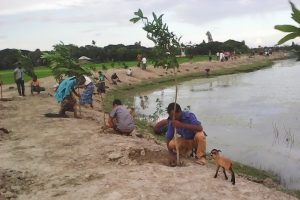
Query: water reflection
{"type": "Point", "coordinates": [144, 102]}
{"type": "Point", "coordinates": [238, 112]}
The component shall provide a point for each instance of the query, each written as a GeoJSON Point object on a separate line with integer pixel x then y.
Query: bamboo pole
{"type": "Point", "coordinates": [103, 107]}
{"type": "Point", "coordinates": [79, 103]}
{"type": "Point", "coordinates": [175, 132]}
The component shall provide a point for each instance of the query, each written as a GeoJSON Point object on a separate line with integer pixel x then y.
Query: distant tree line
{"type": "Point", "coordinates": [122, 53]}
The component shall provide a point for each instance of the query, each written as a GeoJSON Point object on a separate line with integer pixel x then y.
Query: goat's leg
{"type": "Point", "coordinates": [232, 176]}
{"type": "Point", "coordinates": [218, 166]}
{"type": "Point", "coordinates": [225, 173]}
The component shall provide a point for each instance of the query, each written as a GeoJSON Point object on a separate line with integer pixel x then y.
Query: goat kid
{"type": "Point", "coordinates": [225, 163]}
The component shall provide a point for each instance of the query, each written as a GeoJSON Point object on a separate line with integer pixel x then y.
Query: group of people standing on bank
{"type": "Point", "coordinates": [120, 118]}
{"type": "Point", "coordinates": [142, 61]}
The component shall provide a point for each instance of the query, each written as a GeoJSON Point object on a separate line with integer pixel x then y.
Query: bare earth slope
{"type": "Point", "coordinates": [53, 158]}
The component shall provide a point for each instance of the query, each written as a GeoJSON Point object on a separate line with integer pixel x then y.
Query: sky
{"type": "Point", "coordinates": [40, 24]}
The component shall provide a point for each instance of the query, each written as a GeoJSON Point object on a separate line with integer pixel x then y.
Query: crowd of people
{"type": "Point", "coordinates": [225, 56]}
{"type": "Point", "coordinates": [120, 118]}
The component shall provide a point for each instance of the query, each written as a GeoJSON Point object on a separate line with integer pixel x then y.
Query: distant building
{"type": "Point", "coordinates": [83, 60]}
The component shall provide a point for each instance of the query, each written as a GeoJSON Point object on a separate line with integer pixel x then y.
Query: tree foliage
{"type": "Point", "coordinates": [120, 53]}
{"type": "Point", "coordinates": [63, 64]}
{"type": "Point", "coordinates": [166, 42]}
{"type": "Point", "coordinates": [292, 30]}
{"type": "Point", "coordinates": [166, 46]}
{"type": "Point", "coordinates": [26, 64]}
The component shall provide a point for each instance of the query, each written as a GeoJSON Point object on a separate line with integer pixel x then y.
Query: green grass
{"type": "Point", "coordinates": [7, 76]}
{"type": "Point", "coordinates": [134, 63]}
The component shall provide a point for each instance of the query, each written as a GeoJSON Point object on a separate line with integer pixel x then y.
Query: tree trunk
{"type": "Point", "coordinates": [175, 132]}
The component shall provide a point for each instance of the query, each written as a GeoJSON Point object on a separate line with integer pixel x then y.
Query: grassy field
{"type": "Point", "coordinates": [7, 76]}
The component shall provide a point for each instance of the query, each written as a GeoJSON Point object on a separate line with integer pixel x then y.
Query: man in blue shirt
{"type": "Point", "coordinates": [191, 131]}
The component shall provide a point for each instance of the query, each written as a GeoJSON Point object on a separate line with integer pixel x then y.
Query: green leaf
{"type": "Point", "coordinates": [135, 20]}
{"type": "Point", "coordinates": [287, 28]}
{"type": "Point", "coordinates": [288, 37]}
{"type": "Point", "coordinates": [150, 38]}
{"type": "Point", "coordinates": [296, 15]}
{"type": "Point", "coordinates": [139, 13]}
{"type": "Point", "coordinates": [154, 16]}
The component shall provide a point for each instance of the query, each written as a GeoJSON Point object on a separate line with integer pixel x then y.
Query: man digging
{"type": "Point", "coordinates": [192, 135]}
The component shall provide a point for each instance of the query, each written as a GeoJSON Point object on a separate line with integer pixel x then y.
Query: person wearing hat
{"type": "Point", "coordinates": [19, 79]}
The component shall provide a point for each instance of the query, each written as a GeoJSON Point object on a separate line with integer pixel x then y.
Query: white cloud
{"type": "Point", "coordinates": [107, 21]}
{"type": "Point", "coordinates": [12, 7]}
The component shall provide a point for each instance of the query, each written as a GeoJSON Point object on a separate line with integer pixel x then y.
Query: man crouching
{"type": "Point", "coordinates": [120, 119]}
{"type": "Point", "coordinates": [191, 131]}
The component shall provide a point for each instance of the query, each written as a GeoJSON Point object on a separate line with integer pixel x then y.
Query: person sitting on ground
{"type": "Point", "coordinates": [87, 95]}
{"type": "Point", "coordinates": [101, 83]}
{"type": "Point", "coordinates": [35, 85]}
{"type": "Point", "coordinates": [191, 131]}
{"type": "Point", "coordinates": [129, 72]}
{"type": "Point", "coordinates": [115, 78]}
{"type": "Point", "coordinates": [120, 119]}
{"type": "Point", "coordinates": [65, 95]}
{"type": "Point", "coordinates": [161, 127]}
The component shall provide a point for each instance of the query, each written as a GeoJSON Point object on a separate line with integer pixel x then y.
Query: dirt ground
{"type": "Point", "coordinates": [67, 158]}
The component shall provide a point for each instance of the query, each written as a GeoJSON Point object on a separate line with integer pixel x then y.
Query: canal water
{"type": "Point", "coordinates": [253, 118]}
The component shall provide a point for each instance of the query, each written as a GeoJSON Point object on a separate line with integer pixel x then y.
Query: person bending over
{"type": "Point", "coordinates": [65, 95]}
{"type": "Point", "coordinates": [161, 127]}
{"type": "Point", "coordinates": [87, 95]}
{"type": "Point", "coordinates": [120, 119]}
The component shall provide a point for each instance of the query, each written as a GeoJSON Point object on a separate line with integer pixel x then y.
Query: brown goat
{"type": "Point", "coordinates": [225, 163]}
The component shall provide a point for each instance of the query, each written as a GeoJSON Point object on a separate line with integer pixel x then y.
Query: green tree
{"type": "Point", "coordinates": [63, 64]}
{"type": "Point", "coordinates": [293, 30]}
{"type": "Point", "coordinates": [26, 64]}
{"type": "Point", "coordinates": [166, 45]}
